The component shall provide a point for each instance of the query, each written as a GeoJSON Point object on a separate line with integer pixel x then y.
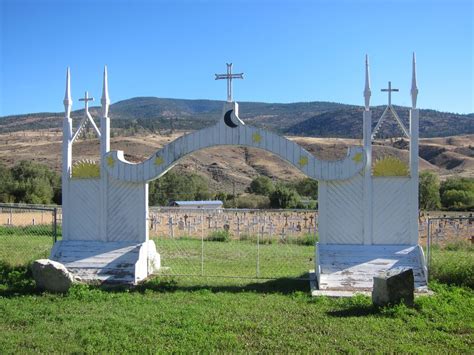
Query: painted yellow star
{"type": "Point", "coordinates": [303, 161]}
{"type": "Point", "coordinates": [357, 158]}
{"type": "Point", "coordinates": [256, 137]}
{"type": "Point", "coordinates": [110, 161]}
{"type": "Point", "coordinates": [159, 160]}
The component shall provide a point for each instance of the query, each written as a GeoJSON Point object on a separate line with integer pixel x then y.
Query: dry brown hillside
{"type": "Point", "coordinates": [225, 165]}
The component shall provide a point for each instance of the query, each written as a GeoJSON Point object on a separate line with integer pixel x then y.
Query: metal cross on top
{"type": "Point", "coordinates": [86, 100]}
{"type": "Point", "coordinates": [389, 90]}
{"type": "Point", "coordinates": [229, 76]}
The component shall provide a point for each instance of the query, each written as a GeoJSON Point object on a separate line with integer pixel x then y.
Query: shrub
{"type": "Point", "coordinates": [457, 193]}
{"type": "Point", "coordinates": [219, 236]}
{"type": "Point", "coordinates": [261, 185]}
{"type": "Point", "coordinates": [307, 239]}
{"type": "Point", "coordinates": [252, 201]}
{"type": "Point", "coordinates": [283, 197]}
{"type": "Point", "coordinates": [429, 191]}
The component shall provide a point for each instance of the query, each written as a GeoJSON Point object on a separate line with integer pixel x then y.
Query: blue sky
{"type": "Point", "coordinates": [289, 50]}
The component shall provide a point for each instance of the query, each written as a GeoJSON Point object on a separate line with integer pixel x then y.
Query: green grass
{"type": "Point", "coordinates": [453, 264]}
{"type": "Point", "coordinates": [234, 258]}
{"type": "Point", "coordinates": [194, 314]}
{"type": "Point", "coordinates": [278, 316]}
{"type": "Point", "coordinates": [20, 245]}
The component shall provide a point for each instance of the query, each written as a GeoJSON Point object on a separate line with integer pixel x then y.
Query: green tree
{"type": "Point", "coordinates": [284, 197]}
{"type": "Point", "coordinates": [307, 187]}
{"type": "Point", "coordinates": [458, 198]}
{"type": "Point", "coordinates": [6, 185]}
{"type": "Point", "coordinates": [429, 191]}
{"type": "Point", "coordinates": [35, 183]}
{"type": "Point", "coordinates": [261, 185]}
{"type": "Point", "coordinates": [457, 193]}
{"type": "Point", "coordinates": [178, 186]}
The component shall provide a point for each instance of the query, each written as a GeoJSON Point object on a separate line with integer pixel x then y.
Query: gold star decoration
{"type": "Point", "coordinates": [357, 158]}
{"type": "Point", "coordinates": [159, 160]}
{"type": "Point", "coordinates": [110, 161]}
{"type": "Point", "coordinates": [303, 161]}
{"type": "Point", "coordinates": [256, 137]}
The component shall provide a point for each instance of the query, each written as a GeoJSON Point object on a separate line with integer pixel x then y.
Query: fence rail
{"type": "Point", "coordinates": [226, 243]}
{"type": "Point", "coordinates": [448, 232]}
{"type": "Point", "coordinates": [27, 232]}
{"type": "Point", "coordinates": [235, 243]}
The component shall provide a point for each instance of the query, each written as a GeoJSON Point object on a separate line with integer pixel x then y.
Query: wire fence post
{"type": "Point", "coordinates": [428, 251]}
{"type": "Point", "coordinates": [55, 225]}
{"type": "Point", "coordinates": [258, 247]}
{"type": "Point", "coordinates": [202, 243]}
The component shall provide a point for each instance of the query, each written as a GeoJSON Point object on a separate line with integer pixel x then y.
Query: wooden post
{"type": "Point", "coordinates": [414, 124]}
{"type": "Point", "coordinates": [368, 211]}
{"type": "Point", "coordinates": [67, 157]}
{"type": "Point", "coordinates": [367, 137]}
{"type": "Point", "coordinates": [104, 149]}
{"type": "Point", "coordinates": [414, 131]}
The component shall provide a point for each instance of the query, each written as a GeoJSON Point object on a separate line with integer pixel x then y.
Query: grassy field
{"type": "Point", "coordinates": [234, 258]}
{"type": "Point", "coordinates": [179, 314]}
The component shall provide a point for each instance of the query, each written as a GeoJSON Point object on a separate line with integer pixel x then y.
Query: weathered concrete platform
{"type": "Point", "coordinates": [344, 270]}
{"type": "Point", "coordinates": [124, 263]}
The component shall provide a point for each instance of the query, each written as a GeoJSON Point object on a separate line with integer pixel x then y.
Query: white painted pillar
{"type": "Point", "coordinates": [67, 157]}
{"type": "Point", "coordinates": [414, 128]}
{"type": "Point", "coordinates": [146, 230]}
{"type": "Point", "coordinates": [414, 133]}
{"type": "Point", "coordinates": [367, 141]}
{"type": "Point", "coordinates": [322, 212]}
{"type": "Point", "coordinates": [368, 210]}
{"type": "Point", "coordinates": [104, 149]}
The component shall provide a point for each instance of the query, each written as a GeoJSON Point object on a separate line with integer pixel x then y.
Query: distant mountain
{"type": "Point", "coordinates": [347, 123]}
{"type": "Point", "coordinates": [322, 119]}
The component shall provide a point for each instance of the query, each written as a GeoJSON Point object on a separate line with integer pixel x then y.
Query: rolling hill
{"type": "Point", "coordinates": [320, 119]}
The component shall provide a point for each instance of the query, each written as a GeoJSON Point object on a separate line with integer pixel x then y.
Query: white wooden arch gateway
{"type": "Point", "coordinates": [366, 224]}
{"type": "Point", "coordinates": [241, 135]}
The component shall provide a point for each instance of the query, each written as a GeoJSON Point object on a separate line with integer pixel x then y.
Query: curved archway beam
{"type": "Point", "coordinates": [243, 135]}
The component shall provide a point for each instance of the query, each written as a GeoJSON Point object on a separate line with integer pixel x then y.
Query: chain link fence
{"type": "Point", "coordinates": [447, 235]}
{"type": "Point", "coordinates": [231, 243]}
{"type": "Point", "coordinates": [27, 232]}
{"type": "Point", "coordinates": [257, 244]}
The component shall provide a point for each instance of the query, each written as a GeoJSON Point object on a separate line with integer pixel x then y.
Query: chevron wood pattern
{"type": "Point", "coordinates": [392, 215]}
{"type": "Point", "coordinates": [342, 219]}
{"type": "Point", "coordinates": [127, 211]}
{"type": "Point", "coordinates": [84, 210]}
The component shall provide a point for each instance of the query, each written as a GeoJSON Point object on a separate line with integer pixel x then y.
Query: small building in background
{"type": "Point", "coordinates": [215, 204]}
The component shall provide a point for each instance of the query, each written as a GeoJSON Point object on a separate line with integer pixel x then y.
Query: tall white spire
{"type": "Point", "coordinates": [105, 100]}
{"type": "Point", "coordinates": [67, 96]}
{"type": "Point", "coordinates": [414, 88]}
{"type": "Point", "coordinates": [367, 91]}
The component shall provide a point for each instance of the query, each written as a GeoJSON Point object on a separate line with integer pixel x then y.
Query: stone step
{"type": "Point", "coordinates": [352, 267]}
{"type": "Point", "coordinates": [99, 262]}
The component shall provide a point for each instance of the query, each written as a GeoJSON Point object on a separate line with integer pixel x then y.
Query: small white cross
{"type": "Point", "coordinates": [389, 90]}
{"type": "Point", "coordinates": [229, 76]}
{"type": "Point", "coordinates": [86, 100]}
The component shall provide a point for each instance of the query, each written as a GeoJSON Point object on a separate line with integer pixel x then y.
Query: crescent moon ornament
{"type": "Point", "coordinates": [228, 120]}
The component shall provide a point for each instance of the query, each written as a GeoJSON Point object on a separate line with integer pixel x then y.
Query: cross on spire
{"type": "Point", "coordinates": [86, 100]}
{"type": "Point", "coordinates": [385, 113]}
{"type": "Point", "coordinates": [389, 90]}
{"type": "Point", "coordinates": [229, 76]}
